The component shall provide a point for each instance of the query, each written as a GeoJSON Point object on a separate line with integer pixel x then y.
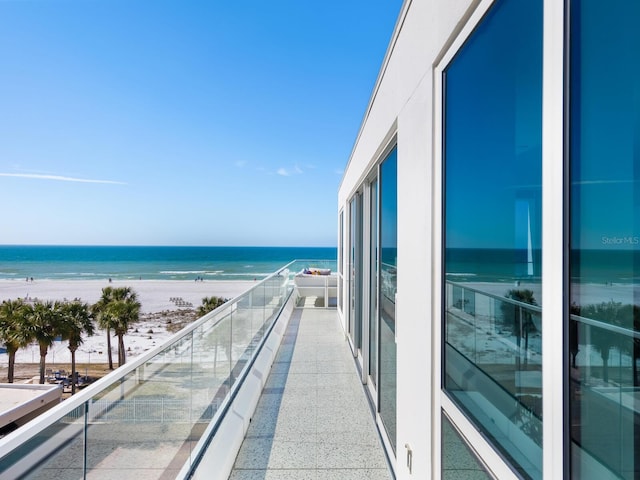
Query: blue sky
{"type": "Point", "coordinates": [156, 122]}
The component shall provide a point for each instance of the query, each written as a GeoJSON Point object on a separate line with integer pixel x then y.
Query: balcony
{"type": "Point", "coordinates": [312, 420]}
{"type": "Point", "coordinates": [258, 365]}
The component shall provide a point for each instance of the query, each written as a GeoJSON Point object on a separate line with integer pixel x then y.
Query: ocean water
{"type": "Point", "coordinates": [158, 263]}
{"type": "Point", "coordinates": [491, 265]}
{"type": "Point", "coordinates": [602, 266]}
{"type": "Point", "coordinates": [248, 263]}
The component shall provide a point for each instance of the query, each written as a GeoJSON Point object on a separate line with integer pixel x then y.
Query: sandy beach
{"type": "Point", "coordinates": [155, 297]}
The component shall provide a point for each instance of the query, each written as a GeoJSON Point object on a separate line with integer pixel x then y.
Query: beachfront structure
{"type": "Point", "coordinates": [488, 270]}
{"type": "Point", "coordinates": [20, 403]}
{"type": "Point", "coordinates": [489, 221]}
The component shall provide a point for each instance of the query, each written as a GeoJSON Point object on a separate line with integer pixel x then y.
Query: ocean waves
{"type": "Point", "coordinates": [150, 263]}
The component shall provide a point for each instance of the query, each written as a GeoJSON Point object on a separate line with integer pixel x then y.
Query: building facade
{"type": "Point", "coordinates": [489, 250]}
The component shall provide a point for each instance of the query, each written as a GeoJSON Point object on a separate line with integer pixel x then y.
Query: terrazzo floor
{"type": "Point", "coordinates": [313, 420]}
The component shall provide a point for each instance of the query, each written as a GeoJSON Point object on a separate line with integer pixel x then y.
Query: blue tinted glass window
{"type": "Point", "coordinates": [387, 294]}
{"type": "Point", "coordinates": [492, 199]}
{"type": "Point", "coordinates": [374, 251]}
{"type": "Point", "coordinates": [355, 270]}
{"type": "Point", "coordinates": [340, 260]}
{"type": "Point", "coordinates": [604, 320]}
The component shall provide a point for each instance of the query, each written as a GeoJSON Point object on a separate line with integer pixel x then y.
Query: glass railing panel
{"type": "Point", "coordinates": [221, 336]}
{"type": "Point", "coordinates": [55, 452]}
{"type": "Point", "coordinates": [211, 345]}
{"type": "Point", "coordinates": [276, 291]}
{"type": "Point", "coordinates": [247, 317]}
{"type": "Point", "coordinates": [245, 320]}
{"type": "Point", "coordinates": [270, 305]}
{"type": "Point", "coordinates": [209, 383]}
{"type": "Point", "coordinates": [144, 420]}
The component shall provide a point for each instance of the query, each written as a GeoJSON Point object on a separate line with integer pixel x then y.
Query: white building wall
{"type": "Point", "coordinates": [414, 319]}
{"type": "Point", "coordinates": [402, 107]}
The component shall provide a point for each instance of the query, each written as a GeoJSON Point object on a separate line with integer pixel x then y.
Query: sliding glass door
{"type": "Point", "coordinates": [374, 253]}
{"type": "Point", "coordinates": [340, 260]}
{"type": "Point", "coordinates": [388, 235]}
{"type": "Point", "coordinates": [492, 286]}
{"type": "Point", "coordinates": [355, 280]}
{"type": "Point", "coordinates": [604, 304]}
{"type": "Point", "coordinates": [373, 270]}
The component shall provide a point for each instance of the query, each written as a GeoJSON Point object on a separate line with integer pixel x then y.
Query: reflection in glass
{"type": "Point", "coordinates": [340, 260]}
{"type": "Point", "coordinates": [373, 282]}
{"type": "Point", "coordinates": [493, 169]}
{"type": "Point", "coordinates": [387, 294]}
{"type": "Point", "coordinates": [604, 311]}
{"type": "Point", "coordinates": [355, 284]}
{"type": "Point", "coordinates": [68, 431]}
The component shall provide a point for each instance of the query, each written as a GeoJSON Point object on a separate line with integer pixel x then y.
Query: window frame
{"type": "Point", "coordinates": [554, 341]}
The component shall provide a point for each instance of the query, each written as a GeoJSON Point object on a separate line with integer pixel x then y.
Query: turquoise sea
{"type": "Point", "coordinates": [613, 265]}
{"type": "Point", "coordinates": [157, 263]}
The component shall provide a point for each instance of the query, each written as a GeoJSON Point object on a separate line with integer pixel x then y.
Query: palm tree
{"type": "Point", "coordinates": [522, 323]}
{"type": "Point", "coordinates": [124, 313]}
{"type": "Point", "coordinates": [209, 304]}
{"type": "Point", "coordinates": [13, 314]}
{"type": "Point", "coordinates": [117, 309]}
{"type": "Point", "coordinates": [601, 339]}
{"type": "Point", "coordinates": [630, 315]}
{"type": "Point", "coordinates": [574, 331]}
{"type": "Point", "coordinates": [41, 325]}
{"type": "Point", "coordinates": [75, 320]}
{"type": "Point", "coordinates": [99, 311]}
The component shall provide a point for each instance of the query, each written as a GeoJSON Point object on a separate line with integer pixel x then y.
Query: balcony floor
{"type": "Point", "coordinates": [313, 420]}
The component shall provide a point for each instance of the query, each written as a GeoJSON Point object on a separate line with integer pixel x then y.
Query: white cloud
{"type": "Point", "coordinates": [296, 170]}
{"type": "Point", "coordinates": [59, 178]}
{"type": "Point", "coordinates": [241, 163]}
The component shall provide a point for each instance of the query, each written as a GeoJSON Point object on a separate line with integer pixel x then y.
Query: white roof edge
{"type": "Point", "coordinates": [383, 69]}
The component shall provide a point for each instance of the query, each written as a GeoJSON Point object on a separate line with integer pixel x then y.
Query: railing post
{"type": "Point", "coordinates": [85, 446]}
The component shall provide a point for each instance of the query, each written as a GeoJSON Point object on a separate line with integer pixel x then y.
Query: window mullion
{"type": "Point", "coordinates": [553, 207]}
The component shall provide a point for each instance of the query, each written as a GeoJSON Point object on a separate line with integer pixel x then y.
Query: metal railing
{"type": "Point", "coordinates": [150, 414]}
